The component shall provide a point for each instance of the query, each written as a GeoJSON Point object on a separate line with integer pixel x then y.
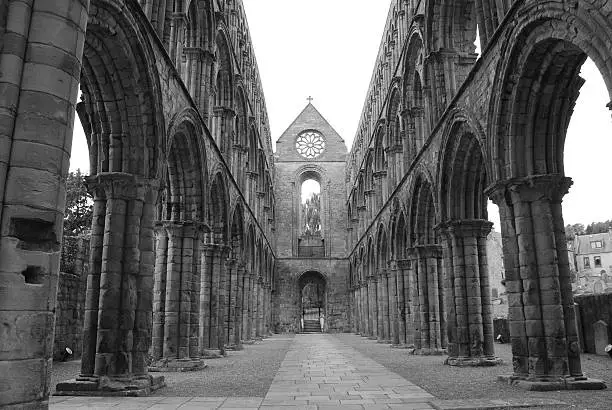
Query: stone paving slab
{"type": "Point", "coordinates": [483, 404]}
{"type": "Point", "coordinates": [321, 371]}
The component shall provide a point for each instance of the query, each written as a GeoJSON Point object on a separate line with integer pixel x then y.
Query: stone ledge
{"type": "Point", "coordinates": [473, 361]}
{"type": "Point", "coordinates": [482, 404]}
{"type": "Point", "coordinates": [105, 386]}
{"type": "Point", "coordinates": [179, 365]}
{"type": "Point", "coordinates": [552, 384]}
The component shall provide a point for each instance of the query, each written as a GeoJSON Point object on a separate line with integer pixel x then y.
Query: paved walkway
{"type": "Point", "coordinates": [318, 372]}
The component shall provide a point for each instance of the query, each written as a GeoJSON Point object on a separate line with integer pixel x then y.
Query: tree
{"type": "Point", "coordinates": [79, 207]}
{"type": "Point", "coordinates": [571, 231]}
{"type": "Point", "coordinates": [598, 227]}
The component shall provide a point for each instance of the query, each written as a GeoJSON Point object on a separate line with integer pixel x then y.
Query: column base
{"type": "Point", "coordinates": [428, 352]}
{"type": "Point", "coordinates": [212, 354]}
{"type": "Point", "coordinates": [177, 365]}
{"type": "Point", "coordinates": [372, 337]}
{"type": "Point", "coordinates": [384, 341]}
{"type": "Point", "coordinates": [473, 361]}
{"type": "Point", "coordinates": [234, 347]}
{"type": "Point", "coordinates": [553, 383]}
{"type": "Point", "coordinates": [106, 386]}
{"type": "Point", "coordinates": [402, 346]}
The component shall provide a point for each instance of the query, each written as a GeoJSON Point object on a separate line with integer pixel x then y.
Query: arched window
{"type": "Point", "coordinates": [311, 208]}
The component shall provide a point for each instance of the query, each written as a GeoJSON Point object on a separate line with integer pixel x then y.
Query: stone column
{"type": "Point", "coordinates": [470, 319]}
{"type": "Point", "coordinates": [258, 307]}
{"type": "Point", "coordinates": [125, 293]}
{"type": "Point", "coordinates": [251, 307]}
{"type": "Point", "coordinates": [428, 318]}
{"type": "Point", "coordinates": [393, 303]}
{"type": "Point", "coordinates": [206, 267]}
{"type": "Point", "coordinates": [404, 302]}
{"type": "Point", "coordinates": [238, 311]}
{"type": "Point", "coordinates": [232, 286]}
{"type": "Point", "coordinates": [39, 84]}
{"type": "Point", "coordinates": [217, 299]}
{"type": "Point", "coordinates": [545, 349]}
{"type": "Point", "coordinates": [380, 305]}
{"type": "Point", "coordinates": [174, 290]}
{"type": "Point", "coordinates": [373, 307]}
{"type": "Point", "coordinates": [365, 313]}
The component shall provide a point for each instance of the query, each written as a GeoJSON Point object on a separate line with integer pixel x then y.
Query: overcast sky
{"type": "Point", "coordinates": [327, 49]}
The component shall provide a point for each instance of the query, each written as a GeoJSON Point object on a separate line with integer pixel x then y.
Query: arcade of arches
{"type": "Point", "coordinates": [197, 241]}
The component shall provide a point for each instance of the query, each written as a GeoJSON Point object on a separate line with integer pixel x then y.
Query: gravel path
{"type": "Point", "coordinates": [451, 383]}
{"type": "Point", "coordinates": [246, 373]}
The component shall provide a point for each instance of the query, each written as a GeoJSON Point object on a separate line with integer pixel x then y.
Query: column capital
{"type": "Point", "coordinates": [552, 187]}
{"type": "Point", "coordinates": [429, 251]}
{"type": "Point", "coordinates": [465, 228]}
{"type": "Point", "coordinates": [404, 263]}
{"type": "Point", "coordinates": [120, 185]}
{"type": "Point", "coordinates": [392, 264]}
{"type": "Point", "coordinates": [380, 174]}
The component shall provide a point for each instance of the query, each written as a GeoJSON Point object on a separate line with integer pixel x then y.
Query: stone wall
{"type": "Point", "coordinates": [71, 291]}
{"type": "Point", "coordinates": [287, 301]}
{"type": "Point", "coordinates": [593, 308]}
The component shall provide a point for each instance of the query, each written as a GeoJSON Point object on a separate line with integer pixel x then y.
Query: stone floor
{"type": "Point", "coordinates": [318, 372]}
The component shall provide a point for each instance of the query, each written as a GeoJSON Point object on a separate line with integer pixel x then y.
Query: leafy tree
{"type": "Point", "coordinates": [571, 231]}
{"type": "Point", "coordinates": [79, 206]}
{"type": "Point", "coordinates": [598, 227]}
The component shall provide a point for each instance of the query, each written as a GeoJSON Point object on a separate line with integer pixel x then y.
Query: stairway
{"type": "Point", "coordinates": [311, 326]}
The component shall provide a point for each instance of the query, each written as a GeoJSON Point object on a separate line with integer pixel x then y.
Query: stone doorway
{"type": "Point", "coordinates": [312, 301]}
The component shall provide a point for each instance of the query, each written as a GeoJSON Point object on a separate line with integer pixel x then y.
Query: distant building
{"type": "Point", "coordinates": [495, 262]}
{"type": "Point", "coordinates": [593, 263]}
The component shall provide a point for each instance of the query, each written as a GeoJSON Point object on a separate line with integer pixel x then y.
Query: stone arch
{"type": "Point", "coordinates": [123, 119]}
{"type": "Point", "coordinates": [541, 77]}
{"type": "Point", "coordinates": [237, 240]}
{"type": "Point", "coordinates": [532, 103]}
{"type": "Point", "coordinates": [400, 236]}
{"type": "Point", "coordinates": [218, 210]}
{"type": "Point", "coordinates": [423, 214]}
{"type": "Point", "coordinates": [118, 72]}
{"type": "Point", "coordinates": [451, 25]}
{"type": "Point", "coordinates": [462, 173]}
{"type": "Point", "coordinates": [185, 178]}
{"type": "Point", "coordinates": [415, 120]}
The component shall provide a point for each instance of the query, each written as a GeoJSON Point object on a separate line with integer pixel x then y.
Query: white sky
{"type": "Point", "coordinates": [327, 49]}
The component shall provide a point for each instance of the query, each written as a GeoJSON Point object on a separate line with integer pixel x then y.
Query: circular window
{"type": "Point", "coordinates": [310, 144]}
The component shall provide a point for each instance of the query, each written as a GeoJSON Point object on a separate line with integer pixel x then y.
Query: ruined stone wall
{"type": "Point", "coordinates": [287, 303]}
{"type": "Point", "coordinates": [71, 289]}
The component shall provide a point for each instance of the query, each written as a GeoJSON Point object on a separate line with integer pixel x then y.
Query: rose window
{"type": "Point", "coordinates": [310, 144]}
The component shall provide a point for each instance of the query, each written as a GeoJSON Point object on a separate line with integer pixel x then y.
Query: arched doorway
{"type": "Point", "coordinates": [312, 301]}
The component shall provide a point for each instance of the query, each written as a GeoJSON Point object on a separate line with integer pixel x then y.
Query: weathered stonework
{"type": "Point", "coordinates": [189, 226]}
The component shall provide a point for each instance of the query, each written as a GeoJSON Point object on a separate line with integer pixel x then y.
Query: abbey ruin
{"type": "Point", "coordinates": [201, 239]}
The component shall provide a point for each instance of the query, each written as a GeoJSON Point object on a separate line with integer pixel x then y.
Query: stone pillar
{"type": "Point", "coordinates": [232, 287]}
{"type": "Point", "coordinates": [251, 307]}
{"type": "Point", "coordinates": [217, 299]}
{"type": "Point", "coordinates": [467, 293]}
{"type": "Point", "coordinates": [545, 348]}
{"type": "Point", "coordinates": [365, 313]}
{"type": "Point", "coordinates": [173, 293]}
{"type": "Point", "coordinates": [428, 318]}
{"type": "Point", "coordinates": [39, 84]}
{"type": "Point", "coordinates": [373, 307]}
{"type": "Point", "coordinates": [258, 307]}
{"type": "Point", "coordinates": [380, 305]}
{"type": "Point", "coordinates": [404, 303]}
{"type": "Point", "coordinates": [206, 266]}
{"type": "Point", "coordinates": [392, 282]}
{"type": "Point", "coordinates": [125, 293]}
{"type": "Point", "coordinates": [238, 311]}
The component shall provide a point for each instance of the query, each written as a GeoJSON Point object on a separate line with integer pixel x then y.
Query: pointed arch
{"type": "Point", "coordinates": [218, 211]}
